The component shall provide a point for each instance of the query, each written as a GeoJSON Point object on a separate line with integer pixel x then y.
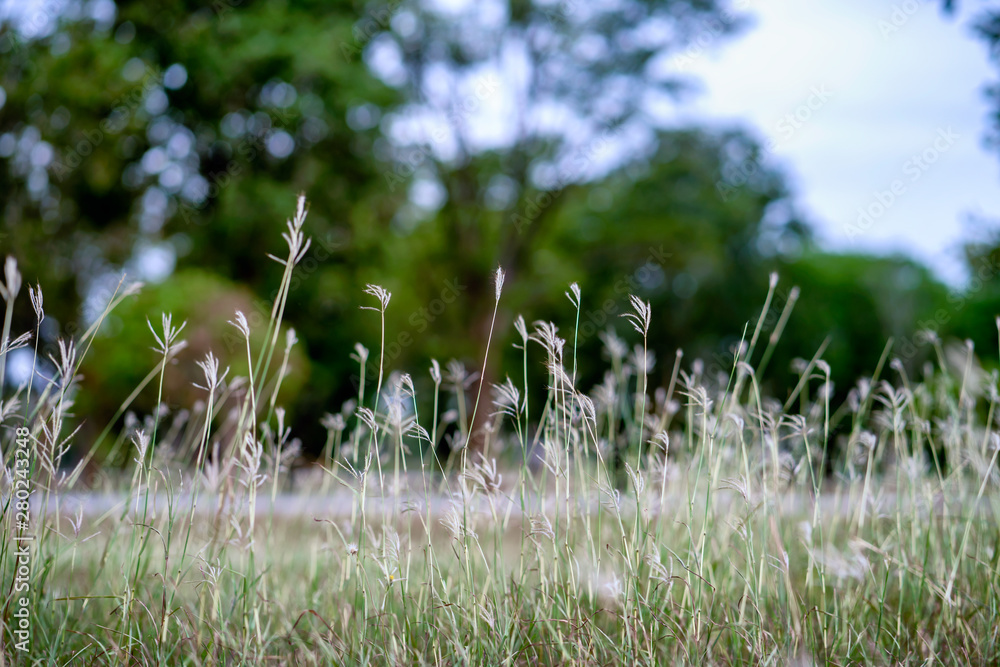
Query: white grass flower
{"type": "Point", "coordinates": [214, 471]}
{"type": "Point", "coordinates": [864, 445]}
{"type": "Point", "coordinates": [641, 316]}
{"type": "Point", "coordinates": [333, 423]}
{"type": "Point", "coordinates": [522, 330]}
{"type": "Point", "coordinates": [614, 346]}
{"type": "Point", "coordinates": [498, 282]}
{"type": "Point", "coordinates": [141, 441]}
{"type": "Point", "coordinates": [806, 531]}
{"type": "Point", "coordinates": [436, 371]}
{"type": "Point", "coordinates": [8, 345]}
{"type": "Point", "coordinates": [546, 335]}
{"type": "Point", "coordinates": [210, 367]}
{"type": "Point", "coordinates": [507, 399]}
{"type": "Point", "coordinates": [638, 483]}
{"type": "Point", "coordinates": [611, 497]}
{"type": "Point", "coordinates": [540, 527]}
{"type": "Point", "coordinates": [552, 456]}
{"type": "Point", "coordinates": [8, 408]}
{"type": "Point", "coordinates": [379, 293]}
{"type": "Point", "coordinates": [587, 409]}
{"type": "Point", "coordinates": [615, 589]}
{"type": "Point", "coordinates": [37, 302]}
{"type": "Point", "coordinates": [797, 425]}
{"type": "Point", "coordinates": [739, 485]}
{"type": "Point", "coordinates": [406, 385]}
{"type": "Point", "coordinates": [367, 417]}
{"type": "Point", "coordinates": [250, 462]}
{"type": "Point", "coordinates": [243, 540]}
{"type": "Point", "coordinates": [358, 473]}
{"type": "Point", "coordinates": [390, 544]}
{"type": "Point", "coordinates": [574, 295]}
{"type": "Point", "coordinates": [300, 210]}
{"type": "Point", "coordinates": [484, 475]}
{"type": "Point", "coordinates": [360, 353]}
{"type": "Point", "coordinates": [77, 522]}
{"type": "Point", "coordinates": [132, 289]}
{"type": "Point", "coordinates": [170, 333]}
{"type": "Point", "coordinates": [850, 564]}
{"type": "Point", "coordinates": [657, 571]}
{"type": "Point", "coordinates": [457, 377]}
{"type": "Point", "coordinates": [13, 277]}
{"type": "Point", "coordinates": [698, 397]}
{"type": "Point", "coordinates": [455, 525]}
{"type": "Point", "coordinates": [66, 364]}
{"type": "Point", "coordinates": [298, 245]}
{"type": "Point", "coordinates": [643, 360]}
{"type": "Point", "coordinates": [788, 467]}
{"type": "Point", "coordinates": [457, 441]}
{"type": "Point", "coordinates": [212, 573]}
{"type": "Point", "coordinates": [606, 393]}
{"type": "Point", "coordinates": [241, 324]}
{"type": "Point", "coordinates": [662, 441]}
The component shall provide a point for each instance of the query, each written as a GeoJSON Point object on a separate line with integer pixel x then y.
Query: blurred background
{"type": "Point", "coordinates": [680, 150]}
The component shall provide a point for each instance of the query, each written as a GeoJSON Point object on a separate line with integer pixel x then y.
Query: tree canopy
{"type": "Point", "coordinates": [169, 141]}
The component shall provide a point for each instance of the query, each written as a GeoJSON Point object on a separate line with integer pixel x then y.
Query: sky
{"type": "Point", "coordinates": [870, 107]}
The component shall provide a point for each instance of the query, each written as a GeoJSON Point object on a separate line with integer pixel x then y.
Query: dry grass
{"type": "Point", "coordinates": [696, 523]}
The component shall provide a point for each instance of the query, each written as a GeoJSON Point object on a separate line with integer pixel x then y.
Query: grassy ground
{"type": "Point", "coordinates": [696, 523]}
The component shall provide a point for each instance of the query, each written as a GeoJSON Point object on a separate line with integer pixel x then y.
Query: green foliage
{"type": "Point", "coordinates": [692, 220]}
{"type": "Point", "coordinates": [123, 352]}
{"type": "Point", "coordinates": [724, 545]}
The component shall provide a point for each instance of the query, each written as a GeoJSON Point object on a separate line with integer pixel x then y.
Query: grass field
{"type": "Point", "coordinates": [697, 523]}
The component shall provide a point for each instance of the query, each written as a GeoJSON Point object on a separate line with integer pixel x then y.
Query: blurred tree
{"type": "Point", "coordinates": [138, 136]}
{"type": "Point", "coordinates": [434, 142]}
{"type": "Point", "coordinates": [703, 263]}
{"type": "Point", "coordinates": [970, 313]}
{"type": "Point", "coordinates": [988, 28]}
{"type": "Point", "coordinates": [513, 106]}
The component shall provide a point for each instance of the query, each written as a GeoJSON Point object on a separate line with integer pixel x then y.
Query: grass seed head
{"type": "Point", "coordinates": [379, 293]}
{"type": "Point", "coordinates": [13, 280]}
{"type": "Point", "coordinates": [640, 316]}
{"type": "Point", "coordinates": [574, 295]}
{"type": "Point", "coordinates": [498, 282]}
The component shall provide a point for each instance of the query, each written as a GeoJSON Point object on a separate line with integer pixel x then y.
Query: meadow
{"type": "Point", "coordinates": [701, 522]}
